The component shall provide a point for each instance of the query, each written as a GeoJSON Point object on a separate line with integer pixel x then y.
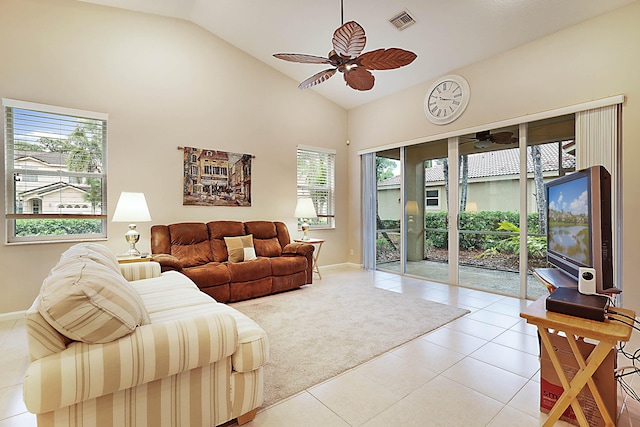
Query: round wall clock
{"type": "Point", "coordinates": [446, 99]}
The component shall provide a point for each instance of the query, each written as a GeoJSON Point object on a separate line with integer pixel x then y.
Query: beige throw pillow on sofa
{"type": "Point", "coordinates": [240, 248]}
{"type": "Point", "coordinates": [87, 301]}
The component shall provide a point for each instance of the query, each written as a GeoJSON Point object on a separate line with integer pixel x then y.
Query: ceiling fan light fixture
{"type": "Point", "coordinates": [347, 58]}
{"type": "Point", "coordinates": [485, 143]}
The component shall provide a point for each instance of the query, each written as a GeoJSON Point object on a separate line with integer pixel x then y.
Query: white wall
{"type": "Point", "coordinates": [164, 83]}
{"type": "Point", "coordinates": [592, 60]}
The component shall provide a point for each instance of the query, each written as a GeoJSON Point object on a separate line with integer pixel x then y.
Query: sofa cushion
{"type": "Point", "coordinates": [87, 301]}
{"type": "Point", "coordinates": [258, 268]}
{"type": "Point", "coordinates": [173, 296]}
{"type": "Point", "coordinates": [190, 243]}
{"type": "Point", "coordinates": [268, 247]}
{"type": "Point", "coordinates": [286, 265]}
{"type": "Point", "coordinates": [240, 248]}
{"type": "Point", "coordinates": [210, 274]}
{"type": "Point", "coordinates": [218, 230]}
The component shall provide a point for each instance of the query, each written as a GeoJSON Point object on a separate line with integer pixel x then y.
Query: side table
{"type": "Point", "coordinates": [607, 334]}
{"type": "Point", "coordinates": [316, 253]}
{"type": "Point", "coordinates": [125, 259]}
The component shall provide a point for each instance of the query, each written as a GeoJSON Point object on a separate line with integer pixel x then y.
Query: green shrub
{"type": "Point", "coordinates": [390, 224]}
{"type": "Point", "coordinates": [536, 245]}
{"type": "Point", "coordinates": [57, 227]}
{"type": "Point", "coordinates": [485, 221]}
{"type": "Point", "coordinates": [383, 245]}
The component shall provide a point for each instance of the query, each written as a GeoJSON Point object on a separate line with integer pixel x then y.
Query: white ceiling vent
{"type": "Point", "coordinates": [402, 20]}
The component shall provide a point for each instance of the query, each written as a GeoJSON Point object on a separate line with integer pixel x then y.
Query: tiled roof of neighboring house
{"type": "Point", "coordinates": [389, 182]}
{"type": "Point", "coordinates": [44, 156]}
{"type": "Point", "coordinates": [496, 163]}
{"type": "Point", "coordinates": [50, 188]}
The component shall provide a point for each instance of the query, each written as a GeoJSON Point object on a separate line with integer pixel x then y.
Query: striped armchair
{"type": "Point", "coordinates": [194, 362]}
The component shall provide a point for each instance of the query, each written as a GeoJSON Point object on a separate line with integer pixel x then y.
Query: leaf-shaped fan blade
{"type": "Point", "coordinates": [317, 78]}
{"type": "Point", "coordinates": [359, 78]}
{"type": "Point", "coordinates": [386, 59]}
{"type": "Point", "coordinates": [299, 57]}
{"type": "Point", "coordinates": [349, 40]}
{"type": "Point", "coordinates": [503, 138]}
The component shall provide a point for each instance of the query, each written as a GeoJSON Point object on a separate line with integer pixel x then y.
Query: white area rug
{"type": "Point", "coordinates": [317, 332]}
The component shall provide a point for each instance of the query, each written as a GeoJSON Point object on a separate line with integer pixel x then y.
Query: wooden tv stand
{"type": "Point", "coordinates": [607, 334]}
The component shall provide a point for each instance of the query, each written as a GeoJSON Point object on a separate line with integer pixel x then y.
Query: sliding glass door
{"type": "Point", "coordinates": [487, 230]}
{"type": "Point", "coordinates": [426, 210]}
{"type": "Point", "coordinates": [489, 211]}
{"type": "Point", "coordinates": [551, 153]}
{"type": "Point", "coordinates": [389, 211]}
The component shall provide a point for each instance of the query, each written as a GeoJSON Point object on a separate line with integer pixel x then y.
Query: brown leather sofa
{"type": "Point", "coordinates": [198, 250]}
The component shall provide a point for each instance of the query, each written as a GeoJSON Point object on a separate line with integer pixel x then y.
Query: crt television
{"type": "Point", "coordinates": [579, 225]}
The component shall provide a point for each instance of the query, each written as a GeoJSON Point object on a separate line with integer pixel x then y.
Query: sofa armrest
{"type": "Point", "coordinates": [167, 262]}
{"type": "Point", "coordinates": [149, 353]}
{"type": "Point", "coordinates": [140, 270]}
{"type": "Point", "coordinates": [298, 249]}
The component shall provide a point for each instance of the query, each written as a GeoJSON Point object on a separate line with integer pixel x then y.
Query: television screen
{"type": "Point", "coordinates": [579, 225]}
{"type": "Point", "coordinates": [568, 220]}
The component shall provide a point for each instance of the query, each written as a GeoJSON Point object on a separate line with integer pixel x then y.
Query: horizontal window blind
{"type": "Point", "coordinates": [316, 179]}
{"type": "Point", "coordinates": [55, 171]}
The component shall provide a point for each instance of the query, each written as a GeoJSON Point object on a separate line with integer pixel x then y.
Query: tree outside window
{"type": "Point", "coordinates": [55, 180]}
{"type": "Point", "coordinates": [316, 179]}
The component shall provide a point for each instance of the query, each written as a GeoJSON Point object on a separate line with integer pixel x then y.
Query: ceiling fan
{"type": "Point", "coordinates": [485, 138]}
{"type": "Point", "coordinates": [348, 42]}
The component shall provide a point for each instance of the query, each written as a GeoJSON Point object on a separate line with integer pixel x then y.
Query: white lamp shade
{"type": "Point", "coordinates": [305, 209]}
{"type": "Point", "coordinates": [412, 207]}
{"type": "Point", "coordinates": [131, 207]}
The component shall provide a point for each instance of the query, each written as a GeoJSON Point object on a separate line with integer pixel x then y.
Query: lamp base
{"type": "Point", "coordinates": [305, 228]}
{"type": "Point", "coordinates": [132, 236]}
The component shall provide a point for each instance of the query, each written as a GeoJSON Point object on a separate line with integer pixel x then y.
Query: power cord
{"type": "Point", "coordinates": [622, 372]}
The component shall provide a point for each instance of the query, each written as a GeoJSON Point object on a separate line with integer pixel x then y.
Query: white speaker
{"type": "Point", "coordinates": [587, 281]}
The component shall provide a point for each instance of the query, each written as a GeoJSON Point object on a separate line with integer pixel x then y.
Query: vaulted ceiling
{"type": "Point", "coordinates": [447, 34]}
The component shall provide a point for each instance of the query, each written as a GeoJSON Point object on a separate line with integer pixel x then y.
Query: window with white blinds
{"type": "Point", "coordinates": [316, 179]}
{"type": "Point", "coordinates": [55, 176]}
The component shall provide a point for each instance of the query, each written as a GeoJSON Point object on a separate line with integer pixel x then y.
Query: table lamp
{"type": "Point", "coordinates": [305, 210]}
{"type": "Point", "coordinates": [131, 207]}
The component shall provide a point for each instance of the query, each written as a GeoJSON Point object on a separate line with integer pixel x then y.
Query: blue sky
{"type": "Point", "coordinates": [32, 125]}
{"type": "Point", "coordinates": [572, 196]}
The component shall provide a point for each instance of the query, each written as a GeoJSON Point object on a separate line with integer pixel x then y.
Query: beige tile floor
{"type": "Point", "coordinates": [480, 370]}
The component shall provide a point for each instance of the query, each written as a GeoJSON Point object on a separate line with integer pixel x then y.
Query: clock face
{"type": "Point", "coordinates": [446, 100]}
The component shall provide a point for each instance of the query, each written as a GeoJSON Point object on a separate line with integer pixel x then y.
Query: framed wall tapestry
{"type": "Point", "coordinates": [216, 178]}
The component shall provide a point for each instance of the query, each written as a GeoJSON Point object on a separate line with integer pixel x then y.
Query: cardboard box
{"type": "Point", "coordinates": [551, 387]}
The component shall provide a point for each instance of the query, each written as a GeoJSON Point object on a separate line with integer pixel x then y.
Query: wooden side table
{"type": "Point", "coordinates": [316, 254]}
{"type": "Point", "coordinates": [607, 333]}
{"type": "Point", "coordinates": [125, 259]}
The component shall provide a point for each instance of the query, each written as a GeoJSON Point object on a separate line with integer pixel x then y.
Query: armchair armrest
{"type": "Point", "coordinates": [149, 353]}
{"type": "Point", "coordinates": [167, 262]}
{"type": "Point", "coordinates": [140, 270]}
{"type": "Point", "coordinates": [298, 249]}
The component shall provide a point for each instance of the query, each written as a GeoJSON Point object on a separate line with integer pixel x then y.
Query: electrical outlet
{"type": "Point", "coordinates": [351, 252]}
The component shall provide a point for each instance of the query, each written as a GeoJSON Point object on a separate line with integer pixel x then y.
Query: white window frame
{"type": "Point", "coordinates": [436, 198]}
{"type": "Point", "coordinates": [322, 190]}
{"type": "Point", "coordinates": [16, 131]}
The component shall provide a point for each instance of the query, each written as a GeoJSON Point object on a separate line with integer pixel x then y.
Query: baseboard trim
{"type": "Point", "coordinates": [341, 265]}
{"type": "Point", "coordinates": [14, 315]}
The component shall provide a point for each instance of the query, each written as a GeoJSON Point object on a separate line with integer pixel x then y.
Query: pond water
{"type": "Point", "coordinates": [571, 241]}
